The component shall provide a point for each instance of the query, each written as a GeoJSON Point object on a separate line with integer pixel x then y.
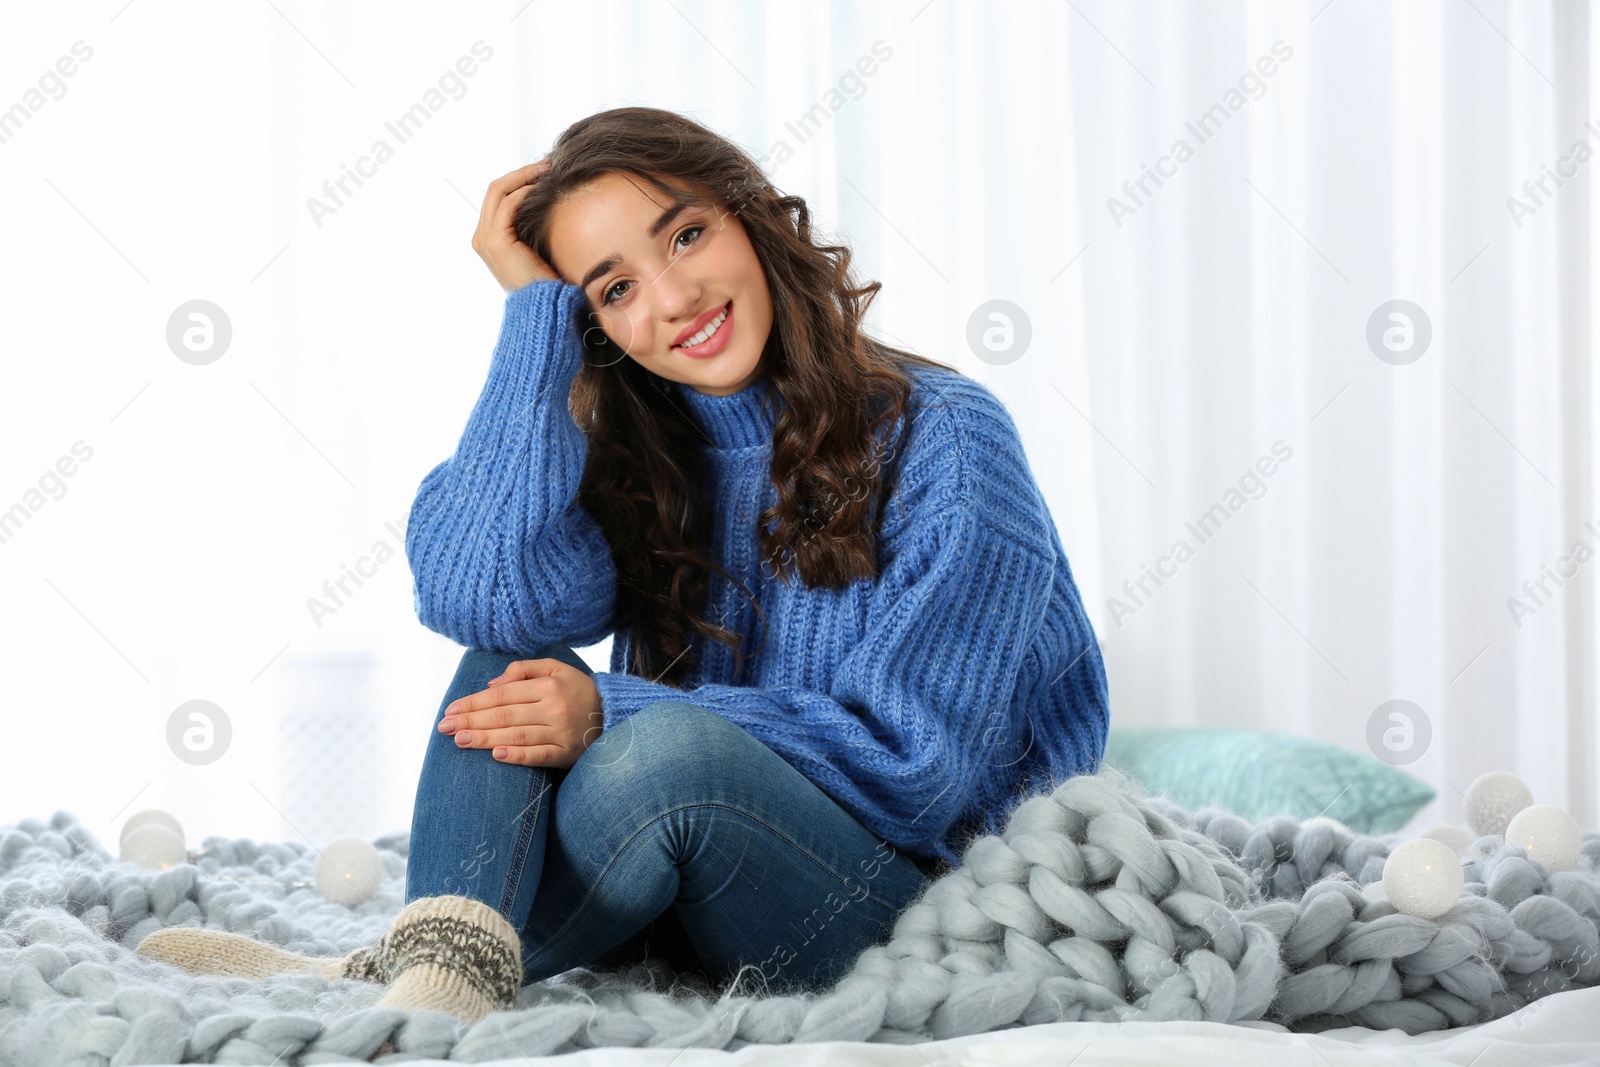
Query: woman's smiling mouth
{"type": "Point", "coordinates": [711, 338]}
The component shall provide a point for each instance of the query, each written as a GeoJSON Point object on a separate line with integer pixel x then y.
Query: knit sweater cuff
{"type": "Point", "coordinates": [623, 694]}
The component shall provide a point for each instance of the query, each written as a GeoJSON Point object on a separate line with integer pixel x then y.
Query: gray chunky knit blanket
{"type": "Point", "coordinates": [1094, 903]}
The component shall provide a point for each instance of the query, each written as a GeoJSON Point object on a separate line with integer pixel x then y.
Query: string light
{"type": "Point", "coordinates": [348, 871]}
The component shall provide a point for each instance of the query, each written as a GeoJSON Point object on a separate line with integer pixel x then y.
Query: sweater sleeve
{"type": "Point", "coordinates": [502, 554]}
{"type": "Point", "coordinates": [897, 739]}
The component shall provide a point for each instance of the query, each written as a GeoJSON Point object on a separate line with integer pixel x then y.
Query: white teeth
{"type": "Point", "coordinates": [710, 328]}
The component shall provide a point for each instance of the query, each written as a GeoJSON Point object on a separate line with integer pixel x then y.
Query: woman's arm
{"type": "Point", "coordinates": [502, 554]}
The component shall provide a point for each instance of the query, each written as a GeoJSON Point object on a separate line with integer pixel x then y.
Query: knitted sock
{"type": "Point", "coordinates": [202, 951]}
{"type": "Point", "coordinates": [452, 954]}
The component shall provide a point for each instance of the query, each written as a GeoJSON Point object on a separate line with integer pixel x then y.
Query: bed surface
{"type": "Point", "coordinates": [1563, 1028]}
{"type": "Point", "coordinates": [1560, 1029]}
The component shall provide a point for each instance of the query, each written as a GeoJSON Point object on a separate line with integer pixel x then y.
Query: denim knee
{"type": "Point", "coordinates": [668, 743]}
{"type": "Point", "coordinates": [478, 660]}
{"type": "Point", "coordinates": [482, 658]}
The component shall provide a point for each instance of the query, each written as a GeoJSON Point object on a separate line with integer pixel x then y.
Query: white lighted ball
{"type": "Point", "coordinates": [155, 846]}
{"type": "Point", "coordinates": [1550, 835]}
{"type": "Point", "coordinates": [1422, 877]}
{"type": "Point", "coordinates": [149, 817]}
{"type": "Point", "coordinates": [1492, 799]}
{"type": "Point", "coordinates": [348, 871]}
{"type": "Point", "coordinates": [1457, 840]}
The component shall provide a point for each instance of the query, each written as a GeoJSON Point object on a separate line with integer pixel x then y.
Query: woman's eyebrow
{"type": "Point", "coordinates": [611, 261]}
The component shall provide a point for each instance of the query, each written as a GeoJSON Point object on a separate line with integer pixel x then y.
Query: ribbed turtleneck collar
{"type": "Point", "coordinates": [740, 420]}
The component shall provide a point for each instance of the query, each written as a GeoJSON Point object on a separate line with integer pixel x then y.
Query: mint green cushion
{"type": "Point", "coordinates": [1260, 773]}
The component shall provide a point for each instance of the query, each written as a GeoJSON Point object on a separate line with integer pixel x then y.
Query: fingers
{"type": "Point", "coordinates": [493, 736]}
{"type": "Point", "coordinates": [521, 176]}
{"type": "Point", "coordinates": [491, 716]}
{"type": "Point", "coordinates": [534, 755]}
{"type": "Point", "coordinates": [505, 184]}
{"type": "Point", "coordinates": [522, 670]}
{"type": "Point", "coordinates": [525, 669]}
{"type": "Point", "coordinates": [509, 702]}
{"type": "Point", "coordinates": [513, 263]}
{"type": "Point", "coordinates": [507, 209]}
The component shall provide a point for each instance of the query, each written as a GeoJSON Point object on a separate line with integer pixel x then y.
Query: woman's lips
{"type": "Point", "coordinates": [716, 342]}
{"type": "Point", "coordinates": [701, 322]}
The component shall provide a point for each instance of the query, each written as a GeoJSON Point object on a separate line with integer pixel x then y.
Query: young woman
{"type": "Point", "coordinates": [846, 638]}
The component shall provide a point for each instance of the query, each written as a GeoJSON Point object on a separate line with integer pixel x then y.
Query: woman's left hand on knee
{"type": "Point", "coordinates": [538, 713]}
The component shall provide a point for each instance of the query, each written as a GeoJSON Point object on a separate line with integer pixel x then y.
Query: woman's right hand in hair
{"type": "Point", "coordinates": [512, 263]}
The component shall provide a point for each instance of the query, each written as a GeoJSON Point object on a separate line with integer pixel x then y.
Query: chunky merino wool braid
{"type": "Point", "coordinates": [1097, 904]}
{"type": "Point", "coordinates": [1094, 903]}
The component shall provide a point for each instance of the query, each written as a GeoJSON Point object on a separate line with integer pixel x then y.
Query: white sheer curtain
{"type": "Point", "coordinates": [967, 153]}
{"type": "Point", "coordinates": [1231, 311]}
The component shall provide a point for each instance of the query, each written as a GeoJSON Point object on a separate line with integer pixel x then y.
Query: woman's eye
{"type": "Point", "coordinates": [696, 230]}
{"type": "Point", "coordinates": [607, 297]}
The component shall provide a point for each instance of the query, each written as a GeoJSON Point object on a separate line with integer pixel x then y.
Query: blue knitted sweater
{"type": "Point", "coordinates": [926, 702]}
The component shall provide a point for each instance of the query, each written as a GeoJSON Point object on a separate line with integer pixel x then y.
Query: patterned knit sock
{"type": "Point", "coordinates": [452, 954]}
{"type": "Point", "coordinates": [203, 951]}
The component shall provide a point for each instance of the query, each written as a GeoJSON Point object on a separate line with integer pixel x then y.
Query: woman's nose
{"type": "Point", "coordinates": [677, 299]}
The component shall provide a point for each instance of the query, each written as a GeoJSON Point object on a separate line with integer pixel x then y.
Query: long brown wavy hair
{"type": "Point", "coordinates": [839, 388]}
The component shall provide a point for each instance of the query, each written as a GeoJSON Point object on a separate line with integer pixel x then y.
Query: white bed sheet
{"type": "Point", "coordinates": [1560, 1029]}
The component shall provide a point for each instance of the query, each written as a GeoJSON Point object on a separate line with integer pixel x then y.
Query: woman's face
{"type": "Point", "coordinates": [654, 278]}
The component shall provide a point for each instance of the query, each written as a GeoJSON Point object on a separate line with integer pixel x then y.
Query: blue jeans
{"type": "Point", "coordinates": [675, 835]}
